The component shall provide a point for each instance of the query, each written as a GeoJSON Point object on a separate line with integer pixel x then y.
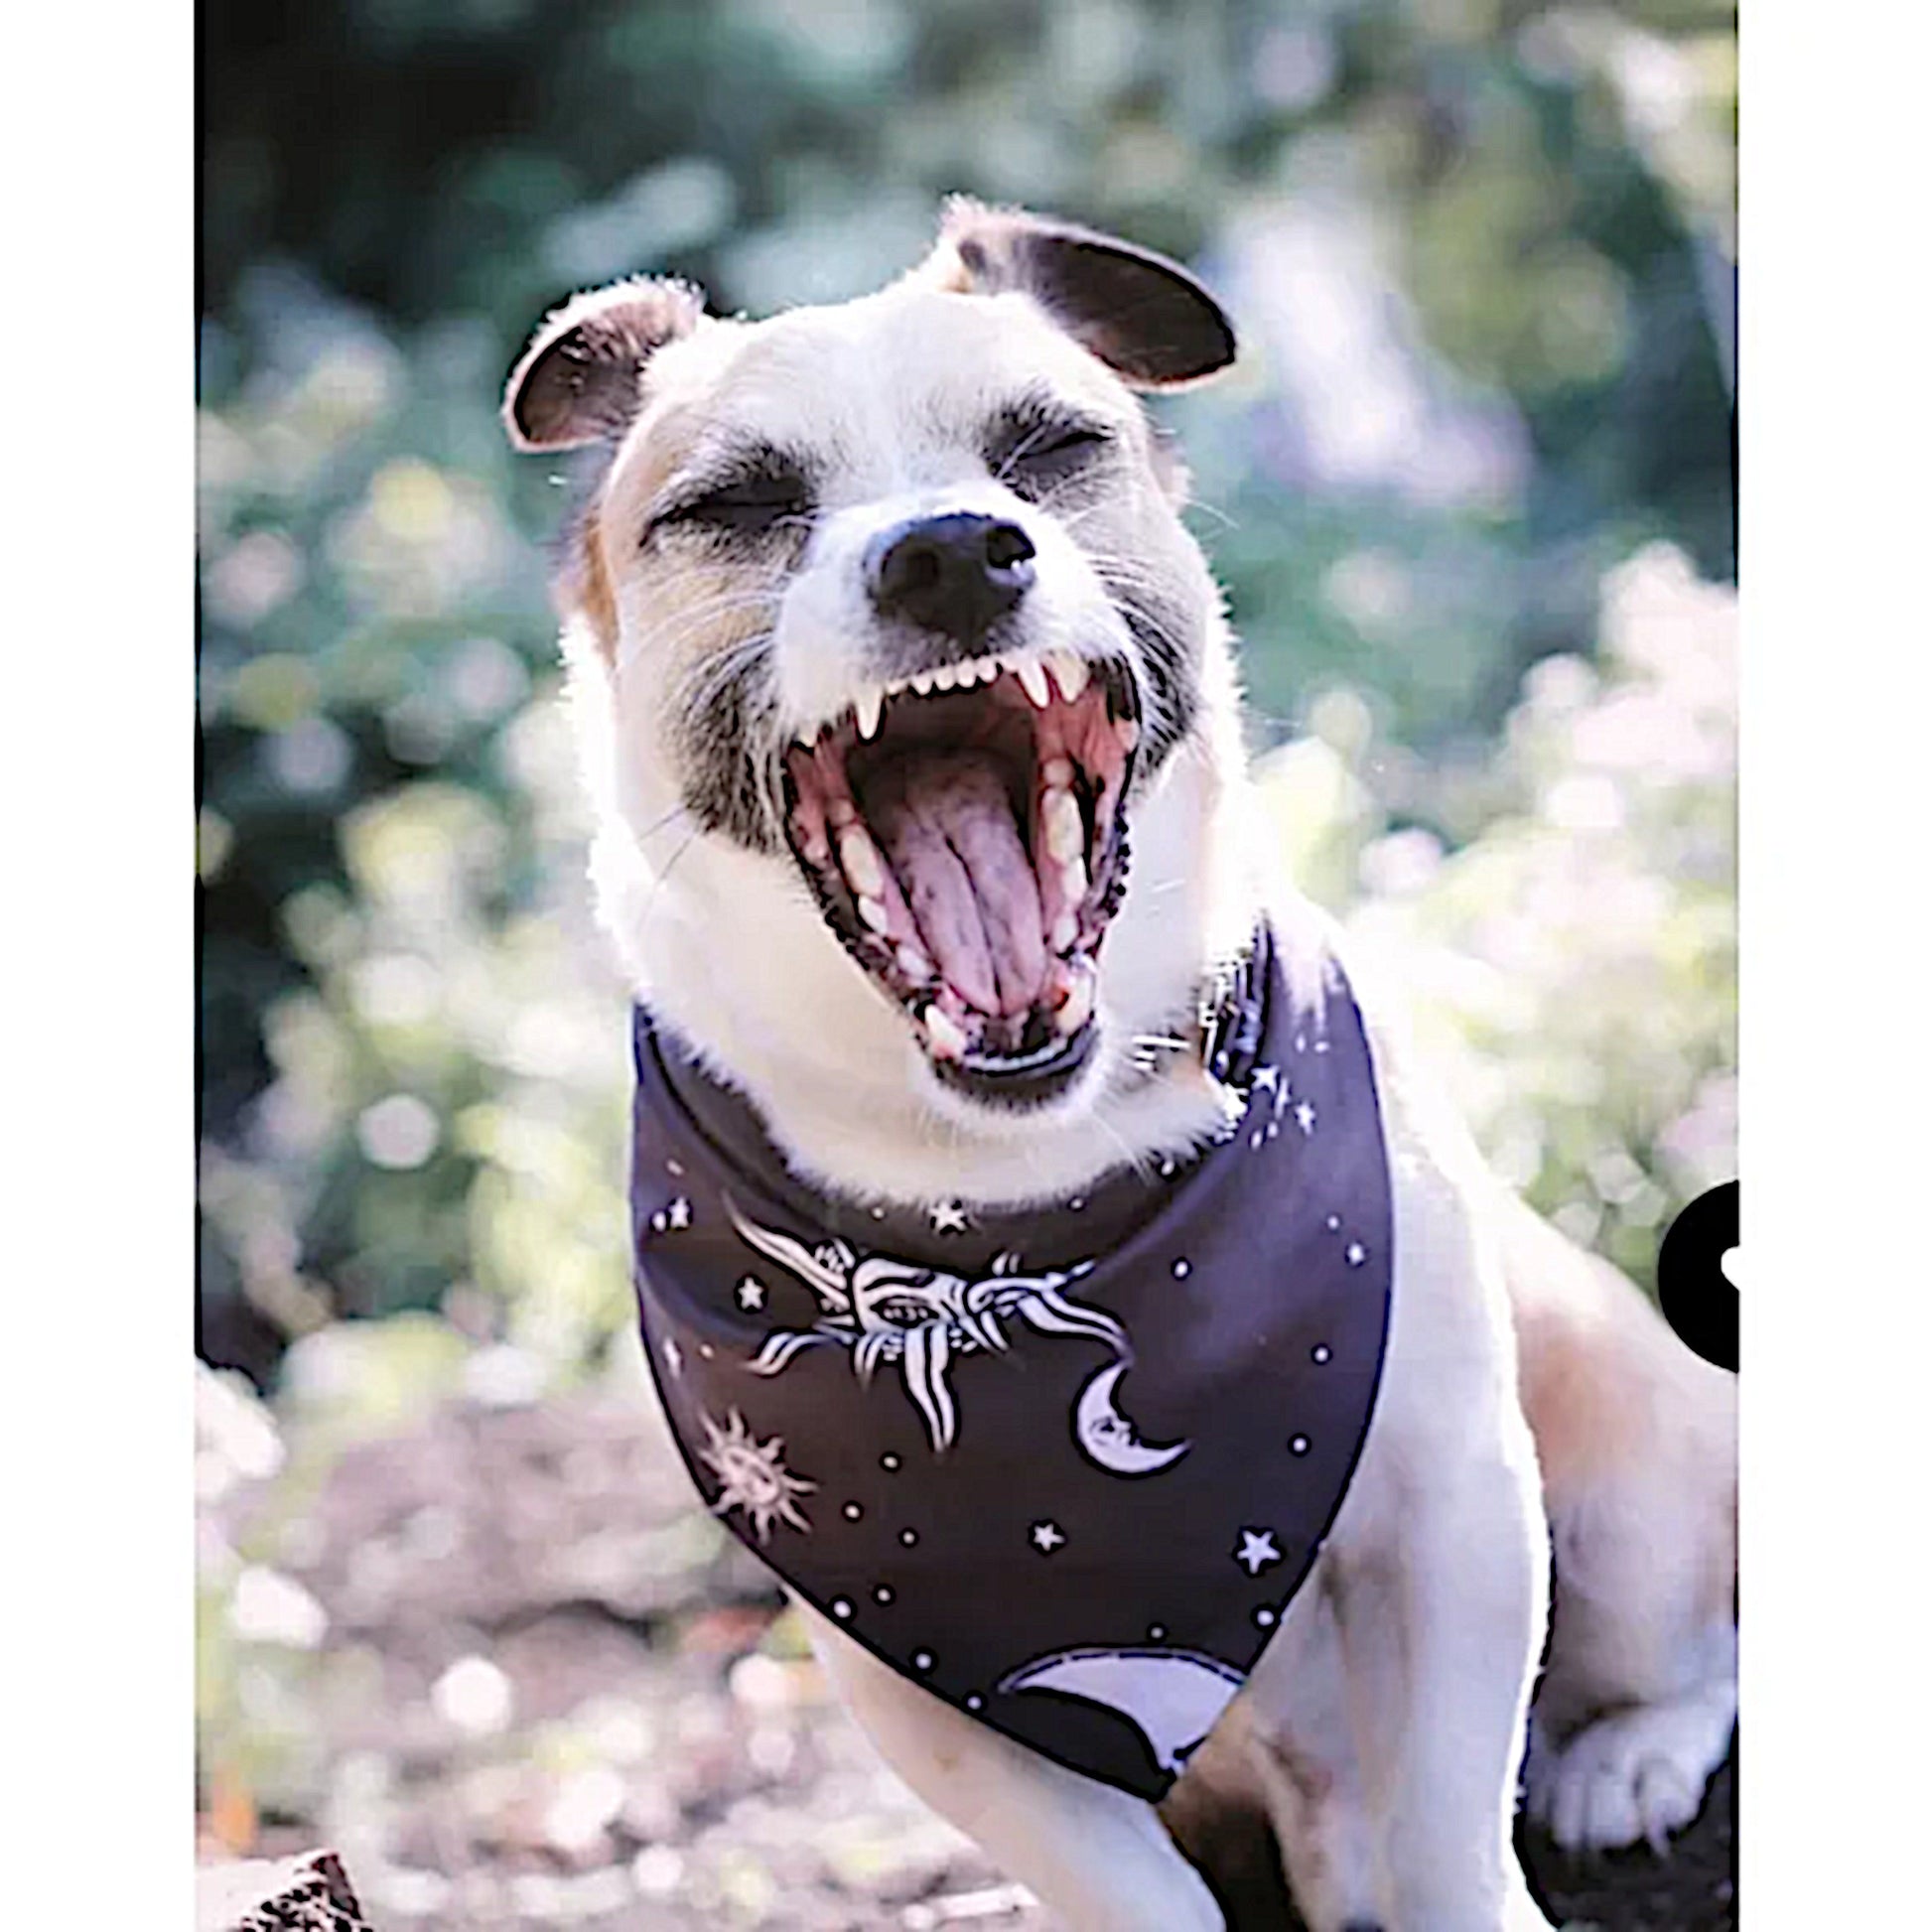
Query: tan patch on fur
{"type": "Point", "coordinates": [585, 587]}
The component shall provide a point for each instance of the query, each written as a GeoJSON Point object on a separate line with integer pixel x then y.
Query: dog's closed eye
{"type": "Point", "coordinates": [750, 504]}
{"type": "Point", "coordinates": [1037, 446]}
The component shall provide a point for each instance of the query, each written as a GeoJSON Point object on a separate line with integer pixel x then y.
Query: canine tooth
{"type": "Point", "coordinates": [859, 858]}
{"type": "Point", "coordinates": [1057, 773]}
{"type": "Point", "coordinates": [1033, 676]}
{"type": "Point", "coordinates": [1059, 818]}
{"type": "Point", "coordinates": [870, 704]}
{"type": "Point", "coordinates": [842, 812]}
{"type": "Point", "coordinates": [1074, 881]}
{"type": "Point", "coordinates": [1078, 1008]}
{"type": "Point", "coordinates": [912, 962]}
{"type": "Point", "coordinates": [1065, 930]}
{"type": "Point", "coordinates": [873, 911]}
{"type": "Point", "coordinates": [948, 1041]}
{"type": "Point", "coordinates": [1128, 733]}
{"type": "Point", "coordinates": [923, 683]}
{"type": "Point", "coordinates": [1070, 673]}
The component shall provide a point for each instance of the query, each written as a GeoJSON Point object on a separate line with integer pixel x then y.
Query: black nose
{"type": "Point", "coordinates": [956, 575]}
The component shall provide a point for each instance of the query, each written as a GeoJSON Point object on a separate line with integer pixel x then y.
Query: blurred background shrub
{"type": "Point", "coordinates": [1470, 490]}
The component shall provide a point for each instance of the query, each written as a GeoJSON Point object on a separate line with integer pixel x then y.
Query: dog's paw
{"type": "Point", "coordinates": [1639, 1774]}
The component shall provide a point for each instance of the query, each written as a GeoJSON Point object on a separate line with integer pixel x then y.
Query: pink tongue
{"type": "Point", "coordinates": [945, 821]}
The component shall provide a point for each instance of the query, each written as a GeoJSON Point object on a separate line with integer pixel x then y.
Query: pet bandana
{"type": "Point", "coordinates": [1062, 1466]}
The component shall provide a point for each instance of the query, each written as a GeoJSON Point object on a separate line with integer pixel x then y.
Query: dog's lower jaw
{"type": "Point", "coordinates": [727, 946]}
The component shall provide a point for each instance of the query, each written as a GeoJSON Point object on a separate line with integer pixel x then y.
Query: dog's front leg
{"type": "Point", "coordinates": [1099, 1857]}
{"type": "Point", "coordinates": [1453, 1628]}
{"type": "Point", "coordinates": [1441, 1595]}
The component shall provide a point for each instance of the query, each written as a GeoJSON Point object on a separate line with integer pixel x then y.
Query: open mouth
{"type": "Point", "coordinates": [962, 831]}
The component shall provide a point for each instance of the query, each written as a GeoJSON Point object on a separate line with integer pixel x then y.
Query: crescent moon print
{"type": "Point", "coordinates": [1108, 1438]}
{"type": "Point", "coordinates": [1172, 1697]}
{"type": "Point", "coordinates": [916, 1319]}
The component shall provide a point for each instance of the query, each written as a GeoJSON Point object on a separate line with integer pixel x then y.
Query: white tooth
{"type": "Point", "coordinates": [922, 684]}
{"type": "Point", "coordinates": [873, 911]}
{"type": "Point", "coordinates": [871, 703]}
{"type": "Point", "coordinates": [1059, 818]}
{"type": "Point", "coordinates": [946, 676]}
{"type": "Point", "coordinates": [842, 811]}
{"type": "Point", "coordinates": [1128, 733]}
{"type": "Point", "coordinates": [1057, 773]}
{"type": "Point", "coordinates": [1074, 881]}
{"type": "Point", "coordinates": [914, 963]}
{"type": "Point", "coordinates": [1065, 931]}
{"type": "Point", "coordinates": [948, 1042]}
{"type": "Point", "coordinates": [859, 858]}
{"type": "Point", "coordinates": [1032, 675]}
{"type": "Point", "coordinates": [1078, 1008]}
{"type": "Point", "coordinates": [1070, 673]}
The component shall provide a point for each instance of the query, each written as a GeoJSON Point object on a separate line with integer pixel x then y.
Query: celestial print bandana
{"type": "Point", "coordinates": [1062, 1466]}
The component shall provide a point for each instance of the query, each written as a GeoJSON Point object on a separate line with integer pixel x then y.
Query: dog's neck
{"type": "Point", "coordinates": [728, 948]}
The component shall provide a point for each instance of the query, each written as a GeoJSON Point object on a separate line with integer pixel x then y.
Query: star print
{"type": "Point", "coordinates": [673, 1355]}
{"type": "Point", "coordinates": [1356, 1253]}
{"type": "Point", "coordinates": [1304, 1118]}
{"type": "Point", "coordinates": [1257, 1551]}
{"type": "Point", "coordinates": [1267, 1077]}
{"type": "Point", "coordinates": [948, 1218]}
{"type": "Point", "coordinates": [679, 1213]}
{"type": "Point", "coordinates": [751, 1293]}
{"type": "Point", "coordinates": [1047, 1537]}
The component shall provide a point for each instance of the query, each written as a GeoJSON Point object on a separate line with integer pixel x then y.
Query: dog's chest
{"type": "Point", "coordinates": [1065, 1467]}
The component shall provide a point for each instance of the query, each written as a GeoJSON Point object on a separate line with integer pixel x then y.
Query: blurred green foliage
{"type": "Point", "coordinates": [1481, 252]}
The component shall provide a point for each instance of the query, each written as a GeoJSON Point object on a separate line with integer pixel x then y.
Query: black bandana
{"type": "Point", "coordinates": [1065, 1466]}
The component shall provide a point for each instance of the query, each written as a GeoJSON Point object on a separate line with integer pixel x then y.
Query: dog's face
{"type": "Point", "coordinates": [897, 599]}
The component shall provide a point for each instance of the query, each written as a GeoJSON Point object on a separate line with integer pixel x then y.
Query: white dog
{"type": "Point", "coordinates": [902, 524]}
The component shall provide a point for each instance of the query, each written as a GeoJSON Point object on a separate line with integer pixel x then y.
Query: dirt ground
{"type": "Point", "coordinates": [501, 1662]}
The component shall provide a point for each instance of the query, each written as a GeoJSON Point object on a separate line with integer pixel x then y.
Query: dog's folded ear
{"type": "Point", "coordinates": [579, 381]}
{"type": "Point", "coordinates": [1141, 314]}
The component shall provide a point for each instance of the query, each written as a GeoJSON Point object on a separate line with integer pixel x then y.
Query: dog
{"type": "Point", "coordinates": [877, 523]}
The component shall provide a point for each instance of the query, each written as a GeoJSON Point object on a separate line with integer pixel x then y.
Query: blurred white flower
{"type": "Point", "coordinates": [473, 1696]}
{"type": "Point", "coordinates": [399, 1133]}
{"type": "Point", "coordinates": [269, 1608]}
